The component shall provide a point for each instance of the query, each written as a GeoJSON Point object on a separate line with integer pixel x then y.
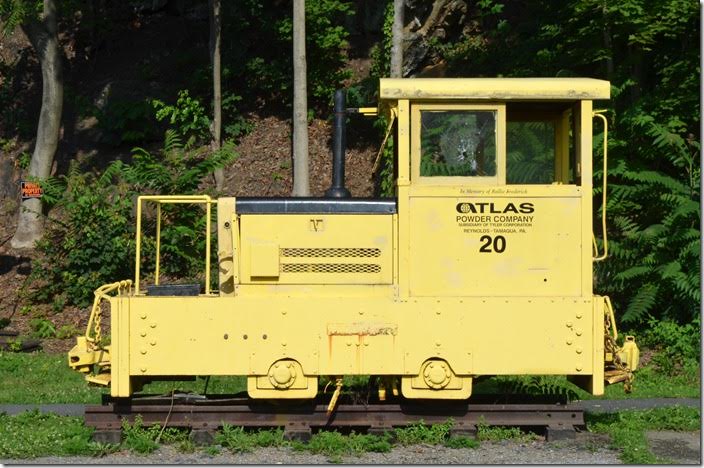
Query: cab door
{"type": "Point", "coordinates": [471, 232]}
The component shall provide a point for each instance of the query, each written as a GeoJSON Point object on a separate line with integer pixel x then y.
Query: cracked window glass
{"type": "Point", "coordinates": [458, 143]}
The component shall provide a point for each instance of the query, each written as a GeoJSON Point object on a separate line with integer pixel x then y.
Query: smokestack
{"type": "Point", "coordinates": [337, 189]}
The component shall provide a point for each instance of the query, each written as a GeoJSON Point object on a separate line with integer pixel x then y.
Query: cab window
{"type": "Point", "coordinates": [458, 143]}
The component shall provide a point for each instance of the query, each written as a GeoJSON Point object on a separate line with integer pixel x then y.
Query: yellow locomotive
{"type": "Point", "coordinates": [481, 264]}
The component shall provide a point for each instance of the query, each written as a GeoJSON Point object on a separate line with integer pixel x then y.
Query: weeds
{"type": "Point", "coordinates": [212, 450]}
{"type": "Point", "coordinates": [627, 429]}
{"type": "Point", "coordinates": [419, 433]}
{"type": "Point", "coordinates": [335, 445]}
{"type": "Point", "coordinates": [458, 442]}
{"type": "Point", "coordinates": [138, 438]}
{"type": "Point", "coordinates": [237, 440]}
{"type": "Point", "coordinates": [496, 433]}
{"type": "Point", "coordinates": [100, 449]}
{"type": "Point", "coordinates": [142, 439]}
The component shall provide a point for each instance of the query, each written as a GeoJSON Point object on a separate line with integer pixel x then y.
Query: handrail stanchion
{"type": "Point", "coordinates": [138, 246]}
{"type": "Point", "coordinates": [158, 241]}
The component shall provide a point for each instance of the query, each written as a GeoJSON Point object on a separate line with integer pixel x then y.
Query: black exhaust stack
{"type": "Point", "coordinates": [337, 189]}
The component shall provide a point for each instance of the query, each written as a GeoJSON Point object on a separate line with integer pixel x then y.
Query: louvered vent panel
{"type": "Point", "coordinates": [330, 268]}
{"type": "Point", "coordinates": [330, 252]}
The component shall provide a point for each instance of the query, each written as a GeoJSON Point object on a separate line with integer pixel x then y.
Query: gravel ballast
{"type": "Point", "coordinates": [586, 449]}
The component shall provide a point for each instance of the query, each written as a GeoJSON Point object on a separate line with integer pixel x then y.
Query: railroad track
{"type": "Point", "coordinates": [299, 419]}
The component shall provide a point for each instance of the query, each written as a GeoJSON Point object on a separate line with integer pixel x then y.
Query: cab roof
{"type": "Point", "coordinates": [495, 89]}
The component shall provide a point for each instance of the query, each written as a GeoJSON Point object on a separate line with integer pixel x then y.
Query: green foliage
{"type": "Point", "coordinates": [530, 153]}
{"type": "Point", "coordinates": [16, 12]}
{"type": "Point", "coordinates": [187, 117]}
{"type": "Point", "coordinates": [537, 385]}
{"type": "Point", "coordinates": [335, 445]}
{"type": "Point", "coordinates": [460, 442]}
{"type": "Point", "coordinates": [42, 328]}
{"type": "Point", "coordinates": [237, 440]}
{"type": "Point", "coordinates": [235, 124]}
{"type": "Point", "coordinates": [627, 429]}
{"type": "Point", "coordinates": [381, 53]}
{"type": "Point", "coordinates": [23, 160]}
{"type": "Point", "coordinates": [126, 121]}
{"type": "Point", "coordinates": [42, 378]}
{"type": "Point", "coordinates": [67, 331]}
{"type": "Point", "coordinates": [138, 438]}
{"type": "Point", "coordinates": [31, 434]}
{"type": "Point", "coordinates": [649, 52]}
{"type": "Point", "coordinates": [145, 440]}
{"type": "Point", "coordinates": [678, 347]}
{"type": "Point", "coordinates": [252, 58]}
{"type": "Point", "coordinates": [212, 450]}
{"type": "Point", "coordinates": [94, 243]}
{"type": "Point", "coordinates": [419, 433]}
{"type": "Point", "coordinates": [496, 433]}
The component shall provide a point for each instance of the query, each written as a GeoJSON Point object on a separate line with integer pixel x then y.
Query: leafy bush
{"type": "Point", "coordinates": [42, 328]}
{"type": "Point", "coordinates": [187, 116]}
{"type": "Point", "coordinates": [235, 124]}
{"type": "Point", "coordinates": [678, 347]}
{"type": "Point", "coordinates": [126, 121]}
{"type": "Point", "coordinates": [93, 243]}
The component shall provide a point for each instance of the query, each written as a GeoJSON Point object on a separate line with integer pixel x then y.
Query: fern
{"type": "Point", "coordinates": [94, 242]}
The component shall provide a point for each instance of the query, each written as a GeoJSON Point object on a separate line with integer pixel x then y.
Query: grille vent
{"type": "Point", "coordinates": [330, 252]}
{"type": "Point", "coordinates": [330, 267]}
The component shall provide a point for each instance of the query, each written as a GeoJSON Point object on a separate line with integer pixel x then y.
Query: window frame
{"type": "Point", "coordinates": [500, 144]}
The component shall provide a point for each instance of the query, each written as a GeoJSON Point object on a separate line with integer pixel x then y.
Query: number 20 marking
{"type": "Point", "coordinates": [498, 243]}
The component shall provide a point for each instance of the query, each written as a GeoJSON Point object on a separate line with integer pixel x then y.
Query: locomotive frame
{"type": "Point", "coordinates": [458, 276]}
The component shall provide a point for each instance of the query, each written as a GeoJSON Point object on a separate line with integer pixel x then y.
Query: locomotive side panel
{"type": "Point", "coordinates": [496, 246]}
{"type": "Point", "coordinates": [378, 336]}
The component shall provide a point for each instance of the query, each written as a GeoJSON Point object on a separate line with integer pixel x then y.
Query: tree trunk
{"type": "Point", "coordinates": [301, 186]}
{"type": "Point", "coordinates": [42, 33]}
{"type": "Point", "coordinates": [397, 41]}
{"type": "Point", "coordinates": [215, 29]}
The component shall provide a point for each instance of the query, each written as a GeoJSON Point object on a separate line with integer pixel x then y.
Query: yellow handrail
{"type": "Point", "coordinates": [598, 258]}
{"type": "Point", "coordinates": [170, 199]}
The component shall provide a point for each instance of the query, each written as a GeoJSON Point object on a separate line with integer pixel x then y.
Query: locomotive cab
{"type": "Point", "coordinates": [480, 265]}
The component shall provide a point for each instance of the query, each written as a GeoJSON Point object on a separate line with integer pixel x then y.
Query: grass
{"type": "Point", "coordinates": [627, 429]}
{"type": "Point", "coordinates": [42, 378]}
{"type": "Point", "coordinates": [32, 434]}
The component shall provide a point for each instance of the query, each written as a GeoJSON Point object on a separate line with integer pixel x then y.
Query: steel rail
{"type": "Point", "coordinates": [299, 419]}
